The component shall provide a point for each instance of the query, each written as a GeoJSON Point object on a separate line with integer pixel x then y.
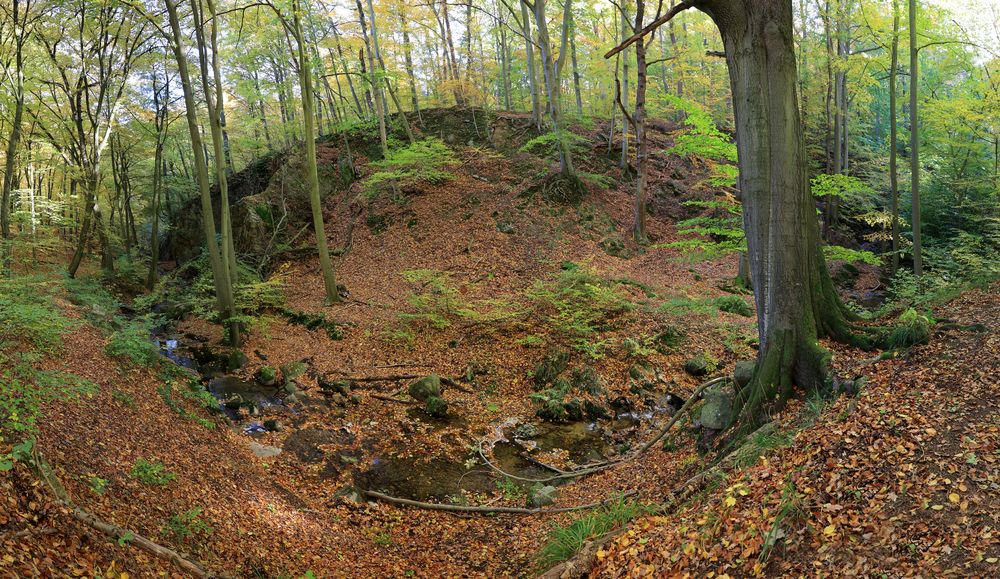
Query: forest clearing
{"type": "Point", "coordinates": [499, 289]}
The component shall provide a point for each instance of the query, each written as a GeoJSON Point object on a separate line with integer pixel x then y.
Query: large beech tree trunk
{"type": "Point", "coordinates": [795, 297]}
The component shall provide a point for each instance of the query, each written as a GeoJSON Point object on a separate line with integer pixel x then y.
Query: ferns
{"type": "Point", "coordinates": [426, 161]}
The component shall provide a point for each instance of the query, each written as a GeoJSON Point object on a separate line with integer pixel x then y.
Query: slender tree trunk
{"type": "Point", "coordinates": [220, 273]}
{"type": "Point", "coordinates": [529, 51]}
{"type": "Point", "coordinates": [625, 33]}
{"type": "Point", "coordinates": [918, 264]}
{"type": "Point", "coordinates": [576, 68]}
{"type": "Point", "coordinates": [375, 82]}
{"type": "Point", "coordinates": [408, 55]}
{"type": "Point", "coordinates": [639, 213]}
{"type": "Point", "coordinates": [309, 161]}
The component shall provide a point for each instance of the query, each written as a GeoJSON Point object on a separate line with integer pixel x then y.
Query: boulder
{"type": "Point", "coordinates": [587, 380]}
{"type": "Point", "coordinates": [743, 372]}
{"type": "Point", "coordinates": [701, 365]}
{"type": "Point", "coordinates": [526, 431]}
{"type": "Point", "coordinates": [342, 387]}
{"type": "Point", "coordinates": [542, 496]}
{"type": "Point", "coordinates": [436, 407]}
{"type": "Point", "coordinates": [293, 370]}
{"type": "Point", "coordinates": [267, 376]}
{"type": "Point", "coordinates": [425, 388]}
{"type": "Point", "coordinates": [550, 368]}
{"type": "Point", "coordinates": [235, 360]}
{"type": "Point", "coordinates": [717, 412]}
{"type": "Point", "coordinates": [574, 409]}
{"type": "Point", "coordinates": [263, 450]}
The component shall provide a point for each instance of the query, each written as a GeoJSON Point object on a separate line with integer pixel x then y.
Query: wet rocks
{"type": "Point", "coordinates": [436, 407]}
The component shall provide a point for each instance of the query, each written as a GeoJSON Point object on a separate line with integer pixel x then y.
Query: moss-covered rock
{"type": "Point", "coordinates": [701, 365]}
{"type": "Point", "coordinates": [425, 388]}
{"type": "Point", "coordinates": [717, 412]}
{"type": "Point", "coordinates": [549, 369]}
{"type": "Point", "coordinates": [743, 372]}
{"type": "Point", "coordinates": [293, 370]}
{"type": "Point", "coordinates": [436, 407]}
{"type": "Point", "coordinates": [267, 376]}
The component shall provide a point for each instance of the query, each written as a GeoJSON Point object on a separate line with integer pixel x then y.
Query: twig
{"type": "Point", "coordinates": [391, 399]}
{"type": "Point", "coordinates": [27, 533]}
{"type": "Point", "coordinates": [474, 509]}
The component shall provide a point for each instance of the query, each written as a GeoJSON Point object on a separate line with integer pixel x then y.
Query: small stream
{"type": "Point", "coordinates": [521, 448]}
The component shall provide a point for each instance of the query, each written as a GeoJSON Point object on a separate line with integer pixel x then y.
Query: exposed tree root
{"type": "Point", "coordinates": [117, 533]}
{"type": "Point", "coordinates": [487, 510]}
{"type": "Point", "coordinates": [581, 564]}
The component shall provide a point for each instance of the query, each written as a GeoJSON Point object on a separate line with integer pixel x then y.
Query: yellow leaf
{"type": "Point", "coordinates": [953, 497]}
{"type": "Point", "coordinates": [992, 560]}
{"type": "Point", "coordinates": [937, 507]}
{"type": "Point", "coordinates": [830, 530]}
{"type": "Point", "coordinates": [730, 501]}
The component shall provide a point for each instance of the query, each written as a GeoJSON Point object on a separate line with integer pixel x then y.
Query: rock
{"type": "Point", "coordinates": [342, 387]}
{"type": "Point", "coordinates": [505, 227]}
{"type": "Point", "coordinates": [595, 411]}
{"type": "Point", "coordinates": [743, 372]}
{"type": "Point", "coordinates": [350, 495]}
{"type": "Point", "coordinates": [355, 399]}
{"type": "Point", "coordinates": [701, 365]}
{"type": "Point", "coordinates": [574, 409]}
{"type": "Point", "coordinates": [550, 368]}
{"type": "Point", "coordinates": [543, 496]}
{"type": "Point", "coordinates": [425, 388]}
{"type": "Point", "coordinates": [436, 407]}
{"type": "Point", "coordinates": [235, 360]}
{"type": "Point", "coordinates": [291, 399]}
{"type": "Point", "coordinates": [267, 376]}
{"type": "Point", "coordinates": [587, 380]}
{"type": "Point", "coordinates": [272, 425]}
{"type": "Point", "coordinates": [717, 412]}
{"type": "Point", "coordinates": [526, 431]}
{"type": "Point", "coordinates": [339, 400]}
{"type": "Point", "coordinates": [621, 405]}
{"type": "Point", "coordinates": [290, 388]}
{"type": "Point", "coordinates": [293, 370]}
{"type": "Point", "coordinates": [233, 402]}
{"type": "Point", "coordinates": [615, 246]}
{"type": "Point", "coordinates": [263, 450]}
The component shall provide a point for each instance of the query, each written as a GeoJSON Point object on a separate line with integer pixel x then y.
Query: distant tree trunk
{"type": "Point", "coordinates": [642, 146]}
{"type": "Point", "coordinates": [553, 72]}
{"type": "Point", "coordinates": [450, 54]}
{"type": "Point", "coordinates": [220, 272]}
{"type": "Point", "coordinates": [576, 68]}
{"type": "Point", "coordinates": [383, 74]}
{"type": "Point", "coordinates": [160, 125]}
{"type": "Point", "coordinates": [918, 264]}
{"type": "Point", "coordinates": [407, 53]}
{"type": "Point", "coordinates": [529, 51]}
{"type": "Point", "coordinates": [375, 83]}
{"type": "Point", "coordinates": [309, 159]}
{"type": "Point", "coordinates": [893, 173]}
{"type": "Point", "coordinates": [623, 161]}
{"type": "Point", "coordinates": [347, 70]}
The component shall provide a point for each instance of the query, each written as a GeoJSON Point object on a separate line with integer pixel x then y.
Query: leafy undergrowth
{"type": "Point", "coordinates": [903, 480]}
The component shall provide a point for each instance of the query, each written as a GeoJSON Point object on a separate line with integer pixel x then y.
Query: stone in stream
{"type": "Point", "coordinates": [235, 360]}
{"type": "Point", "coordinates": [426, 388]}
{"type": "Point", "coordinates": [267, 376]}
{"type": "Point", "coordinates": [542, 496]}
{"type": "Point", "coordinates": [263, 450]}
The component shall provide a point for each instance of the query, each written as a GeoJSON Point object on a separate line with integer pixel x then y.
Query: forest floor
{"type": "Point", "coordinates": [861, 485]}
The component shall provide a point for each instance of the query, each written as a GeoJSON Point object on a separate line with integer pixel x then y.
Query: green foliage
{"type": "Point", "coordinates": [855, 195]}
{"type": "Point", "coordinates": [704, 140]}
{"type": "Point", "coordinates": [565, 541]}
{"type": "Point", "coordinates": [717, 233]}
{"type": "Point", "coordinates": [152, 472]}
{"type": "Point", "coordinates": [734, 305]}
{"type": "Point", "coordinates": [839, 253]}
{"type": "Point", "coordinates": [911, 329]}
{"type": "Point", "coordinates": [132, 342]}
{"type": "Point", "coordinates": [427, 161]}
{"type": "Point", "coordinates": [578, 305]}
{"type": "Point", "coordinates": [97, 484]}
{"type": "Point", "coordinates": [511, 490]}
{"type": "Point", "coordinates": [552, 142]}
{"type": "Point", "coordinates": [436, 301]}
{"type": "Point", "coordinates": [186, 525]}
{"type": "Point", "coordinates": [28, 318]}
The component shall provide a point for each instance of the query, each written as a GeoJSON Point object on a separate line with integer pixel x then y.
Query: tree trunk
{"type": "Point", "coordinates": [375, 83]}
{"type": "Point", "coordinates": [642, 146]}
{"type": "Point", "coordinates": [220, 273]}
{"type": "Point", "coordinates": [408, 55]}
{"type": "Point", "coordinates": [795, 297]}
{"type": "Point", "coordinates": [918, 264]}
{"type": "Point", "coordinates": [529, 52]}
{"type": "Point", "coordinates": [576, 68]}
{"type": "Point", "coordinates": [309, 160]}
{"type": "Point", "coordinates": [893, 172]}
